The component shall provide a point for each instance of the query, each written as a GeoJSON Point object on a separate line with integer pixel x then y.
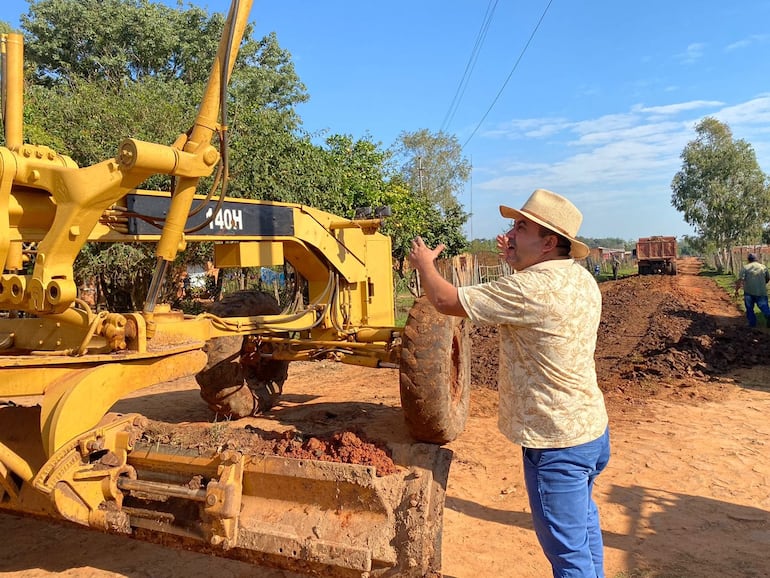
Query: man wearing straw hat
{"type": "Point", "coordinates": [548, 313]}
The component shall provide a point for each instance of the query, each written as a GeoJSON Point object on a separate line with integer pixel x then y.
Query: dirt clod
{"type": "Point", "coordinates": [685, 493]}
{"type": "Point", "coordinates": [344, 446]}
{"type": "Point", "coordinates": [655, 340]}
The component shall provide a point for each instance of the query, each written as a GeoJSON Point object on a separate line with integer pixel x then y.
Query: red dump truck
{"type": "Point", "coordinates": [656, 255]}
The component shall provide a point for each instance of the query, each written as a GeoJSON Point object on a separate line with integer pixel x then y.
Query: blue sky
{"type": "Point", "coordinates": [593, 100]}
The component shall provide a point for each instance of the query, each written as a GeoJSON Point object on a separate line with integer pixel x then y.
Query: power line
{"type": "Point", "coordinates": [515, 65]}
{"type": "Point", "coordinates": [470, 65]}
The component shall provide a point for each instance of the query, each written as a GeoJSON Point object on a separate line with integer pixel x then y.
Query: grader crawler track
{"type": "Point", "coordinates": [66, 455]}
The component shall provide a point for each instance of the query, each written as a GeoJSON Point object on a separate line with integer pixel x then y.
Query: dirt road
{"type": "Point", "coordinates": [685, 494]}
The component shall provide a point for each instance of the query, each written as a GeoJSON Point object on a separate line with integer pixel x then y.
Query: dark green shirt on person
{"type": "Point", "coordinates": [755, 277]}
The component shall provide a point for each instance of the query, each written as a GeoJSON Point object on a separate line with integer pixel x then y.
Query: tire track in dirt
{"type": "Point", "coordinates": [640, 297]}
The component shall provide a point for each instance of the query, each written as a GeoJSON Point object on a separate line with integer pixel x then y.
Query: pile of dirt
{"type": "Point", "coordinates": [659, 337]}
{"type": "Point", "coordinates": [348, 447]}
{"type": "Point", "coordinates": [655, 340]}
{"type": "Point", "coordinates": [485, 343]}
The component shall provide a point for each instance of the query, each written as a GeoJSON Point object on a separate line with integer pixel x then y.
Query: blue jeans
{"type": "Point", "coordinates": [559, 484]}
{"type": "Point", "coordinates": [761, 302]}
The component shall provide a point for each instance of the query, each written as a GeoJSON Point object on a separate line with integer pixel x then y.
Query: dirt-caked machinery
{"type": "Point", "coordinates": [656, 255]}
{"type": "Point", "coordinates": [63, 366]}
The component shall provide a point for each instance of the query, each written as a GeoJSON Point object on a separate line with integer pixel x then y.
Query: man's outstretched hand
{"type": "Point", "coordinates": [421, 256]}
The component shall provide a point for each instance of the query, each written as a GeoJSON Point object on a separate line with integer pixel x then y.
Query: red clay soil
{"type": "Point", "coordinates": [659, 337]}
{"type": "Point", "coordinates": [347, 447]}
{"type": "Point", "coordinates": [685, 493]}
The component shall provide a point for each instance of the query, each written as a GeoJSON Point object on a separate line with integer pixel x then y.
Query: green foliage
{"type": "Point", "coordinates": [138, 69]}
{"type": "Point", "coordinates": [609, 242]}
{"type": "Point", "coordinates": [432, 165]}
{"type": "Point", "coordinates": [102, 70]}
{"type": "Point", "coordinates": [115, 40]}
{"type": "Point", "coordinates": [121, 272]}
{"type": "Point", "coordinates": [356, 172]}
{"type": "Point", "coordinates": [720, 189]}
{"type": "Point", "coordinates": [403, 300]}
{"type": "Point", "coordinates": [485, 245]}
{"type": "Point", "coordinates": [433, 171]}
{"type": "Point", "coordinates": [415, 215]}
{"type": "Point", "coordinates": [268, 162]}
{"type": "Point", "coordinates": [86, 119]}
{"type": "Point", "coordinates": [265, 78]}
{"type": "Point", "coordinates": [689, 246]}
{"type": "Point", "coordinates": [482, 246]}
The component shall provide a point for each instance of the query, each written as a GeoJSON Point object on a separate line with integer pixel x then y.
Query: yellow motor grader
{"type": "Point", "coordinates": [65, 455]}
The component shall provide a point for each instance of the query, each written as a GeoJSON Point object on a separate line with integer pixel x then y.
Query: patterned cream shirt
{"type": "Point", "coordinates": [548, 316]}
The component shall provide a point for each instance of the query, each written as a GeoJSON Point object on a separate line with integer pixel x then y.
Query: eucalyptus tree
{"type": "Point", "coordinates": [433, 167]}
{"type": "Point", "coordinates": [720, 189]}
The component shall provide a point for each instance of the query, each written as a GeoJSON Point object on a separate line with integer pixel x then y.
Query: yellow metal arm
{"type": "Point", "coordinates": [81, 195]}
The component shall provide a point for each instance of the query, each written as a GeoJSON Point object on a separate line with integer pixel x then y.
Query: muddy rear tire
{"type": "Point", "coordinates": [229, 387]}
{"type": "Point", "coordinates": [435, 373]}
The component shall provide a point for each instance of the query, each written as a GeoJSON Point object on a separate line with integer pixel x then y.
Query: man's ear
{"type": "Point", "coordinates": [551, 243]}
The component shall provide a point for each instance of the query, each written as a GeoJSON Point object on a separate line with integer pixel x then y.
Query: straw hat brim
{"type": "Point", "coordinates": [578, 250]}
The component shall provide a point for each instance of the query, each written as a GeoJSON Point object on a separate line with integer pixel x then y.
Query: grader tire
{"type": "Point", "coordinates": [230, 388]}
{"type": "Point", "coordinates": [435, 374]}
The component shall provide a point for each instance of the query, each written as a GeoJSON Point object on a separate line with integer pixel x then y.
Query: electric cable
{"type": "Point", "coordinates": [515, 66]}
{"type": "Point", "coordinates": [470, 65]}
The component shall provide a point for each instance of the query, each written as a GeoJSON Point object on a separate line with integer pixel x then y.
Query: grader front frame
{"type": "Point", "coordinates": [64, 455]}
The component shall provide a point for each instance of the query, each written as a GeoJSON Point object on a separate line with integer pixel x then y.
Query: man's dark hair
{"type": "Point", "coordinates": [563, 244]}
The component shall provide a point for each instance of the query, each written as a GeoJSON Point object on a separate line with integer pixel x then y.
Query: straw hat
{"type": "Point", "coordinates": [555, 213]}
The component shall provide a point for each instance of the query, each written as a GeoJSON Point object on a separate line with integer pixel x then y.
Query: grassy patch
{"type": "Point", "coordinates": [623, 271]}
{"type": "Point", "coordinates": [403, 299]}
{"type": "Point", "coordinates": [727, 282]}
{"type": "Point", "coordinates": [404, 303]}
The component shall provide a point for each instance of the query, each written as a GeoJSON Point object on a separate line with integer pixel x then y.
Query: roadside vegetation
{"type": "Point", "coordinates": [727, 282]}
{"type": "Point", "coordinates": [142, 74]}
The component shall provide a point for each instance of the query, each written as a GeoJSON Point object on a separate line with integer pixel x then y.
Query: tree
{"type": "Point", "coordinates": [720, 189]}
{"type": "Point", "coordinates": [482, 246]}
{"type": "Point", "coordinates": [608, 242]}
{"type": "Point", "coordinates": [101, 70]}
{"type": "Point", "coordinates": [690, 246]}
{"type": "Point", "coordinates": [89, 94]}
{"type": "Point", "coordinates": [137, 68]}
{"type": "Point", "coordinates": [116, 40]}
{"type": "Point", "coordinates": [433, 166]}
{"type": "Point", "coordinates": [359, 173]}
{"type": "Point", "coordinates": [435, 171]}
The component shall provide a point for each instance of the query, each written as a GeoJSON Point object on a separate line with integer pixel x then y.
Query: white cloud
{"type": "Point", "coordinates": [679, 107]}
{"type": "Point", "coordinates": [746, 42]}
{"type": "Point", "coordinates": [693, 53]}
{"type": "Point", "coordinates": [528, 128]}
{"type": "Point", "coordinates": [751, 113]}
{"type": "Point", "coordinates": [616, 167]}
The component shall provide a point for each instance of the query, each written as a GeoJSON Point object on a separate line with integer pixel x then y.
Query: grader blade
{"type": "Point", "coordinates": [315, 517]}
{"type": "Point", "coordinates": [319, 518]}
